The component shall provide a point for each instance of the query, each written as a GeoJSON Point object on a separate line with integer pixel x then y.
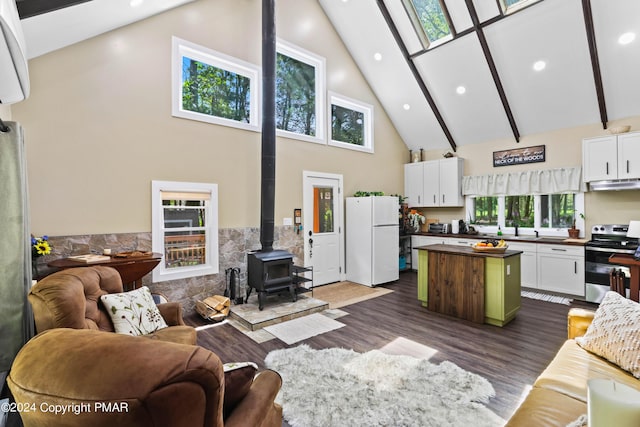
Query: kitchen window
{"type": "Point", "coordinates": [185, 229]}
{"type": "Point", "coordinates": [549, 214]}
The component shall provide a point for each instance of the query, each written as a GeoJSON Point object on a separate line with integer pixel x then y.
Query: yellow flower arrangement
{"type": "Point", "coordinates": [40, 246]}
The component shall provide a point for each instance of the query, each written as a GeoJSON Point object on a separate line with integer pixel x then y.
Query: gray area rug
{"type": "Point", "coordinates": [338, 387]}
{"type": "Point", "coordinates": [546, 297]}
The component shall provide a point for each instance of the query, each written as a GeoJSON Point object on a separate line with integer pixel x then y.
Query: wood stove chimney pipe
{"type": "Point", "coordinates": [268, 173]}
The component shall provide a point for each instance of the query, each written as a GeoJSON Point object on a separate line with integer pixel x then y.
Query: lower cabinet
{"type": "Point", "coordinates": [502, 290]}
{"type": "Point", "coordinates": [528, 263]}
{"type": "Point", "coordinates": [561, 269]}
{"type": "Point", "coordinates": [422, 241]}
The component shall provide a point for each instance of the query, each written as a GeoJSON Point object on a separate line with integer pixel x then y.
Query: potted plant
{"type": "Point", "coordinates": [574, 232]}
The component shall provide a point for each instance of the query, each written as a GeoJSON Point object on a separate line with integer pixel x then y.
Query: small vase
{"type": "Point", "coordinates": [573, 232]}
{"type": "Point", "coordinates": [34, 269]}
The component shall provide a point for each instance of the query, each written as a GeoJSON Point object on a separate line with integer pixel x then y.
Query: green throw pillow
{"type": "Point", "coordinates": [134, 313]}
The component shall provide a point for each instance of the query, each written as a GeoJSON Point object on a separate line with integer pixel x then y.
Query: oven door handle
{"type": "Point", "coordinates": [617, 251]}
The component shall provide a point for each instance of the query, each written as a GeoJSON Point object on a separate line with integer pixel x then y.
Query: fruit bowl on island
{"type": "Point", "coordinates": [490, 246]}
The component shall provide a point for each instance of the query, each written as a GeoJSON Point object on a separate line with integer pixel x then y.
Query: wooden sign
{"type": "Point", "coordinates": [519, 156]}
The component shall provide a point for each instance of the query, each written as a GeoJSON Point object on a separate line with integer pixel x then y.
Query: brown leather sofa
{"type": "Point", "coordinates": [71, 299]}
{"type": "Point", "coordinates": [559, 394]}
{"type": "Point", "coordinates": [80, 377]}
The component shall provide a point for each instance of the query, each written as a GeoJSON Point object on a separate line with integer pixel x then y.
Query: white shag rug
{"type": "Point", "coordinates": [338, 387]}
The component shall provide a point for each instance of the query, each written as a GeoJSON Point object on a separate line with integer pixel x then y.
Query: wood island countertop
{"type": "Point", "coordinates": [466, 250]}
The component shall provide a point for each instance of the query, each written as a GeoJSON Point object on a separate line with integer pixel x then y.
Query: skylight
{"type": "Point", "coordinates": [513, 5]}
{"type": "Point", "coordinates": [430, 20]}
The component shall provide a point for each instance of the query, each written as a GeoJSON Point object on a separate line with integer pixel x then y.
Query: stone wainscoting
{"type": "Point", "coordinates": [234, 244]}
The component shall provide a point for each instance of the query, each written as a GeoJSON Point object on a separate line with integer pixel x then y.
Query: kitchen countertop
{"type": "Point", "coordinates": [467, 251]}
{"type": "Point", "coordinates": [510, 238]}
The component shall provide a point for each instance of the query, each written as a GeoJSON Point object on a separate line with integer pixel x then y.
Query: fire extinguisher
{"type": "Point", "coordinates": [233, 285]}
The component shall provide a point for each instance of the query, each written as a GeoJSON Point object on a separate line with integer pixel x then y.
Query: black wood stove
{"type": "Point", "coordinates": [269, 270]}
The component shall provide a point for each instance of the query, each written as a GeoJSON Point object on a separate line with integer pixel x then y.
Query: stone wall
{"type": "Point", "coordinates": [234, 244]}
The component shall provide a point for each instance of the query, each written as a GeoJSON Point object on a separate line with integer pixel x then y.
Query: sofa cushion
{"type": "Point", "coordinates": [134, 312]}
{"type": "Point", "coordinates": [238, 378]}
{"type": "Point", "coordinates": [548, 408]}
{"type": "Point", "coordinates": [572, 366]}
{"type": "Point", "coordinates": [615, 332]}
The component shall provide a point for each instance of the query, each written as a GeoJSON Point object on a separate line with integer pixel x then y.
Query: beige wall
{"type": "Point", "coordinates": [99, 129]}
{"type": "Point", "coordinates": [563, 148]}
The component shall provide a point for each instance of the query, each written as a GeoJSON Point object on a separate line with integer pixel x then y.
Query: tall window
{"type": "Point", "coordinates": [300, 88]}
{"type": "Point", "coordinates": [212, 87]}
{"type": "Point", "coordinates": [185, 229]}
{"type": "Point", "coordinates": [549, 214]}
{"type": "Point", "coordinates": [429, 19]}
{"type": "Point", "coordinates": [351, 123]}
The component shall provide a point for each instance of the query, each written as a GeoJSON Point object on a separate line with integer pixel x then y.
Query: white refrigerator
{"type": "Point", "coordinates": [372, 239]}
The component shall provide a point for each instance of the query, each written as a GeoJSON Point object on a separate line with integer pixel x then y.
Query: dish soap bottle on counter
{"type": "Point", "coordinates": [499, 231]}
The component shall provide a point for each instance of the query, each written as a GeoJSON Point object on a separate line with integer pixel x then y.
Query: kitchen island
{"type": "Point", "coordinates": [483, 287]}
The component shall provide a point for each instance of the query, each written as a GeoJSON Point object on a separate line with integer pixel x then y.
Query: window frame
{"type": "Point", "coordinates": [161, 273]}
{"type": "Point", "coordinates": [354, 105]}
{"type": "Point", "coordinates": [521, 4]}
{"type": "Point", "coordinates": [542, 231]}
{"type": "Point", "coordinates": [183, 48]}
{"type": "Point", "coordinates": [319, 64]}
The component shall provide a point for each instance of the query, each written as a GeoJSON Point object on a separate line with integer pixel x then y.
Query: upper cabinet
{"type": "Point", "coordinates": [611, 157]}
{"type": "Point", "coordinates": [434, 183]}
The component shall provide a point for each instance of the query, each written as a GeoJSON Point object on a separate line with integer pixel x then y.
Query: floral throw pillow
{"type": "Point", "coordinates": [134, 313]}
{"type": "Point", "coordinates": [615, 332]}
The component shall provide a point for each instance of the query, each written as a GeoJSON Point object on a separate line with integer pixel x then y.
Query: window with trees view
{"type": "Point", "coordinates": [300, 88]}
{"type": "Point", "coordinates": [351, 123]}
{"type": "Point", "coordinates": [212, 87]}
{"type": "Point", "coordinates": [428, 17]}
{"type": "Point", "coordinates": [546, 213]}
{"type": "Point", "coordinates": [509, 5]}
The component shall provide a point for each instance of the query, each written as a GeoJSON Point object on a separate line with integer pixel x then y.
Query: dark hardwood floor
{"type": "Point", "coordinates": [510, 357]}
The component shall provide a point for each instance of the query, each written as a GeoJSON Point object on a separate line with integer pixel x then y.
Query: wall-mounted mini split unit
{"type": "Point", "coordinates": [14, 74]}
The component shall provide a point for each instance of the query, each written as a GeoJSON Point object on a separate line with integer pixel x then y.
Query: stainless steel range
{"type": "Point", "coordinates": [606, 240]}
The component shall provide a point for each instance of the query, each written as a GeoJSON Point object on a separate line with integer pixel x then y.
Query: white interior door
{"type": "Point", "coordinates": [322, 219]}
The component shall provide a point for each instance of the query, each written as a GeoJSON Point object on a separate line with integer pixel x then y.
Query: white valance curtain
{"type": "Point", "coordinates": [548, 181]}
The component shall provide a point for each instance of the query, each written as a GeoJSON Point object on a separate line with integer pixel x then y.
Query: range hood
{"type": "Point", "coordinates": [615, 185]}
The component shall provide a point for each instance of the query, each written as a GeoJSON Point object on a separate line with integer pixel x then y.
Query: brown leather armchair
{"type": "Point", "coordinates": [77, 378]}
{"type": "Point", "coordinates": [71, 299]}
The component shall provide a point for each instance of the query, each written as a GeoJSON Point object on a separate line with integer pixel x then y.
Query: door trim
{"type": "Point", "coordinates": [306, 198]}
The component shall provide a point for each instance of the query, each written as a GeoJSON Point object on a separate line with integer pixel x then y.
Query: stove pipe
{"type": "Point", "coordinates": [268, 172]}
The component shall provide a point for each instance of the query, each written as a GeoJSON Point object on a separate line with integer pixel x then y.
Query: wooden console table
{"type": "Point", "coordinates": [634, 269]}
{"type": "Point", "coordinates": [131, 269]}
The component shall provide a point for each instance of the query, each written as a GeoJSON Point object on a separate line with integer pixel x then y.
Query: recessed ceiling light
{"type": "Point", "coordinates": [136, 3]}
{"type": "Point", "coordinates": [627, 38]}
{"type": "Point", "coordinates": [377, 56]}
{"type": "Point", "coordinates": [406, 106]}
{"type": "Point", "coordinates": [539, 65]}
{"type": "Point", "coordinates": [461, 90]}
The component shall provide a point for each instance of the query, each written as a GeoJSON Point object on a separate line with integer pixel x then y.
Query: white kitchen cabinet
{"type": "Point", "coordinates": [561, 269]}
{"type": "Point", "coordinates": [459, 241]}
{"type": "Point", "coordinates": [629, 155]}
{"type": "Point", "coordinates": [528, 263]}
{"type": "Point", "coordinates": [413, 190]}
{"type": "Point", "coordinates": [611, 157]}
{"type": "Point", "coordinates": [422, 241]}
{"type": "Point", "coordinates": [434, 183]}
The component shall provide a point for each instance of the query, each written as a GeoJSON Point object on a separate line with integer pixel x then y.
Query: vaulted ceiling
{"type": "Point", "coordinates": [417, 87]}
{"type": "Point", "coordinates": [589, 76]}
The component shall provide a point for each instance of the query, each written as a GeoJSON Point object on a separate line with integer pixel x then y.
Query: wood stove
{"type": "Point", "coordinates": [270, 272]}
